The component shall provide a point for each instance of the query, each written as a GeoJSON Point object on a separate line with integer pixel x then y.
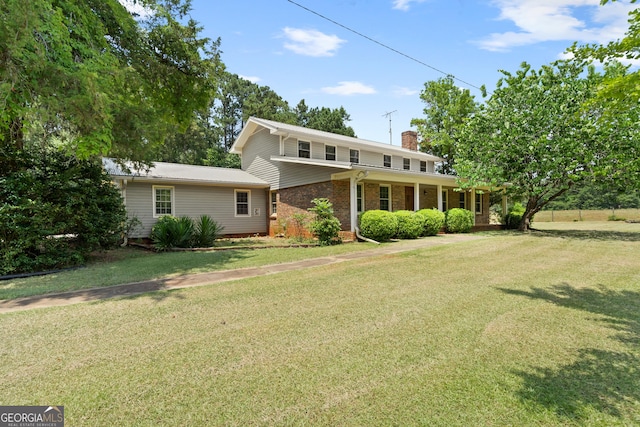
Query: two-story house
{"type": "Point", "coordinates": [284, 167]}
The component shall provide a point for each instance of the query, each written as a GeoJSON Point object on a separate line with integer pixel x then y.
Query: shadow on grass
{"type": "Point", "coordinates": [588, 235]}
{"type": "Point", "coordinates": [599, 380]}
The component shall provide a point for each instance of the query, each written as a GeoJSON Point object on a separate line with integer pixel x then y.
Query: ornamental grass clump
{"type": "Point", "coordinates": [378, 225]}
{"type": "Point", "coordinates": [433, 221]}
{"type": "Point", "coordinates": [458, 220]}
{"type": "Point", "coordinates": [410, 224]}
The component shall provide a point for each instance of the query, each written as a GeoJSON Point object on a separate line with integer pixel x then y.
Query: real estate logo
{"type": "Point", "coordinates": [31, 416]}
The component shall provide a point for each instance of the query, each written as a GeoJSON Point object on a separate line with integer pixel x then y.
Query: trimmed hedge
{"type": "Point", "coordinates": [410, 224]}
{"type": "Point", "coordinates": [433, 221]}
{"type": "Point", "coordinates": [458, 220]}
{"type": "Point", "coordinates": [378, 225]}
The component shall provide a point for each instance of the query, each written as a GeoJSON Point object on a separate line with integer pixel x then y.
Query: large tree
{"type": "Point", "coordinates": [324, 118]}
{"type": "Point", "coordinates": [447, 106]}
{"type": "Point", "coordinates": [91, 76]}
{"type": "Point", "coordinates": [534, 136]}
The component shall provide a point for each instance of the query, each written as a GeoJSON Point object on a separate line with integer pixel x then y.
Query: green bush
{"type": "Point", "coordinates": [433, 221]}
{"type": "Point", "coordinates": [378, 225]}
{"type": "Point", "coordinates": [514, 216]}
{"type": "Point", "coordinates": [54, 211]}
{"type": "Point", "coordinates": [325, 226]}
{"type": "Point", "coordinates": [171, 232]}
{"type": "Point", "coordinates": [410, 224]}
{"type": "Point", "coordinates": [615, 218]}
{"type": "Point", "coordinates": [207, 232]}
{"type": "Point", "coordinates": [458, 220]}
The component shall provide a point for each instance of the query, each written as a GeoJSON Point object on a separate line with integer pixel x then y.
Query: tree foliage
{"type": "Point", "coordinates": [89, 75]}
{"type": "Point", "coordinates": [535, 136]}
{"type": "Point", "coordinates": [447, 106]}
{"type": "Point", "coordinates": [55, 210]}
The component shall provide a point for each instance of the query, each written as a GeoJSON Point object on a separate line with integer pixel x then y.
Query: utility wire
{"type": "Point", "coordinates": [384, 45]}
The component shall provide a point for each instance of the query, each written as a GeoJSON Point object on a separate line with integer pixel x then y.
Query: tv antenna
{"type": "Point", "coordinates": [388, 115]}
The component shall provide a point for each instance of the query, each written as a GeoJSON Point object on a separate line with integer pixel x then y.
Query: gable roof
{"type": "Point", "coordinates": [175, 172]}
{"type": "Point", "coordinates": [255, 124]}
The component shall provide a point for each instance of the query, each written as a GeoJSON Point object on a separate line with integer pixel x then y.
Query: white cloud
{"type": "Point", "coordinates": [404, 91]}
{"type": "Point", "coordinates": [311, 42]}
{"type": "Point", "coordinates": [557, 20]}
{"type": "Point", "coordinates": [349, 88]}
{"type": "Point", "coordinates": [137, 8]}
{"type": "Point", "coordinates": [252, 79]}
{"type": "Point", "coordinates": [404, 5]}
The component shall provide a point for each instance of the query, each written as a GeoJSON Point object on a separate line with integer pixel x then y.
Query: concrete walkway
{"type": "Point", "coordinates": [201, 279]}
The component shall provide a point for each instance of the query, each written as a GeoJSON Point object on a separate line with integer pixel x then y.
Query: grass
{"type": "Point", "coordinates": [129, 265]}
{"type": "Point", "coordinates": [512, 329]}
{"type": "Point", "coordinates": [586, 215]}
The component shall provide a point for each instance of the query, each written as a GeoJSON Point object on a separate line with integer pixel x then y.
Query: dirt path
{"type": "Point", "coordinates": [201, 279]}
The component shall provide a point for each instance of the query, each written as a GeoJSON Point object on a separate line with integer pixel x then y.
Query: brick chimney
{"type": "Point", "coordinates": [410, 140]}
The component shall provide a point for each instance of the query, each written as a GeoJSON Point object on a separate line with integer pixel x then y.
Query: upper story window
{"type": "Point", "coordinates": [354, 156]}
{"type": "Point", "coordinates": [304, 149]}
{"type": "Point", "coordinates": [406, 164]}
{"type": "Point", "coordinates": [423, 166]}
{"type": "Point", "coordinates": [330, 152]}
{"type": "Point", "coordinates": [162, 201]}
{"type": "Point", "coordinates": [386, 161]}
{"type": "Point", "coordinates": [243, 207]}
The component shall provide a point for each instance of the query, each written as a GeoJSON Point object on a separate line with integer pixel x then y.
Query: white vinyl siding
{"type": "Point", "coordinates": [194, 201]}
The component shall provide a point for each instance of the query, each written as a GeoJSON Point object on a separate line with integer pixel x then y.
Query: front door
{"type": "Point", "coordinates": [408, 198]}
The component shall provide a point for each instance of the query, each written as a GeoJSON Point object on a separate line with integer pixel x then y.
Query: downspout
{"type": "Point", "coordinates": [359, 177]}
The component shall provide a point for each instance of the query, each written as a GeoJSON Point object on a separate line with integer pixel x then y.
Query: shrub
{"type": "Point", "coordinates": [458, 220]}
{"type": "Point", "coordinates": [55, 210]}
{"type": "Point", "coordinates": [378, 225]}
{"type": "Point", "coordinates": [325, 226]}
{"type": "Point", "coordinates": [433, 221]}
{"type": "Point", "coordinates": [410, 224]}
{"type": "Point", "coordinates": [615, 218]}
{"type": "Point", "coordinates": [514, 216]}
{"type": "Point", "coordinates": [171, 232]}
{"type": "Point", "coordinates": [207, 232]}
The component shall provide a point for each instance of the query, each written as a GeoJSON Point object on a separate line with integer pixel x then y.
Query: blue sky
{"type": "Point", "coordinates": [300, 55]}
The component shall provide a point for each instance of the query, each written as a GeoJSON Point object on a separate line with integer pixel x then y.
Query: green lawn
{"type": "Point", "coordinates": [133, 265]}
{"type": "Point", "coordinates": [540, 329]}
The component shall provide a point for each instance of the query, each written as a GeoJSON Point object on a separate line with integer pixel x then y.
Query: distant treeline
{"type": "Point", "coordinates": [596, 195]}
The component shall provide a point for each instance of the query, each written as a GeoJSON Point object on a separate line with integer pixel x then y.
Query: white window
{"type": "Point", "coordinates": [406, 164]}
{"type": "Point", "coordinates": [423, 166]}
{"type": "Point", "coordinates": [304, 149]}
{"type": "Point", "coordinates": [462, 204]}
{"type": "Point", "coordinates": [445, 202]}
{"type": "Point", "coordinates": [243, 202]}
{"type": "Point", "coordinates": [360, 197]}
{"type": "Point", "coordinates": [330, 152]}
{"type": "Point", "coordinates": [385, 198]}
{"type": "Point", "coordinates": [162, 201]}
{"type": "Point", "coordinates": [274, 202]}
{"type": "Point", "coordinates": [386, 161]}
{"type": "Point", "coordinates": [478, 203]}
{"type": "Point", "coordinates": [354, 156]}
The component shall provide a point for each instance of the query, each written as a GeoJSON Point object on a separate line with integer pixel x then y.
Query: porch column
{"type": "Point", "coordinates": [353, 202]}
{"type": "Point", "coordinates": [439, 190]}
{"type": "Point", "coordinates": [472, 202]}
{"type": "Point", "coordinates": [416, 197]}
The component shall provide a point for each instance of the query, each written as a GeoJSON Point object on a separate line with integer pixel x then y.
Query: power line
{"type": "Point", "coordinates": [384, 45]}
